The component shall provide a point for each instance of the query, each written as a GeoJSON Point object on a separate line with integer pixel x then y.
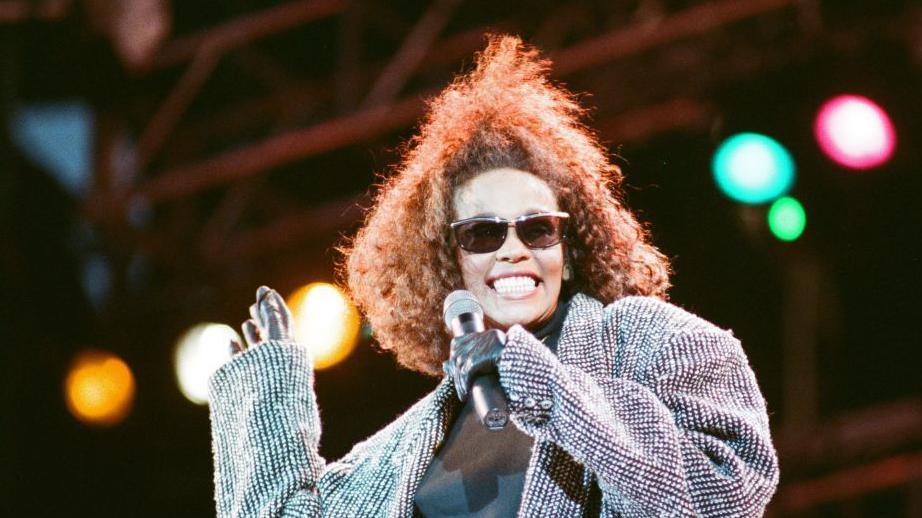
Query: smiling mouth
{"type": "Point", "coordinates": [512, 286]}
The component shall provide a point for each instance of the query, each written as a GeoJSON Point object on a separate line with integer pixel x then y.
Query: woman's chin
{"type": "Point", "coordinates": [507, 309]}
{"type": "Point", "coordinates": [507, 319]}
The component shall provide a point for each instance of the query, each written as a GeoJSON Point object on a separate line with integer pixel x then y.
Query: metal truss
{"type": "Point", "coordinates": [649, 64]}
{"type": "Point", "coordinates": [373, 99]}
{"type": "Point", "coordinates": [364, 101]}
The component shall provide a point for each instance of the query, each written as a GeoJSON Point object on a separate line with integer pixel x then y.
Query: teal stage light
{"type": "Point", "coordinates": [787, 219]}
{"type": "Point", "coordinates": [752, 168]}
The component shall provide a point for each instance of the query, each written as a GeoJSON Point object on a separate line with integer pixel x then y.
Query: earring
{"type": "Point", "coordinates": [567, 273]}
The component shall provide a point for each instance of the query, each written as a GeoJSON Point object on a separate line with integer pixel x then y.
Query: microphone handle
{"type": "Point", "coordinates": [490, 402]}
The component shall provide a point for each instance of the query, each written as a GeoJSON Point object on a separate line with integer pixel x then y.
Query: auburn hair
{"type": "Point", "coordinates": [505, 113]}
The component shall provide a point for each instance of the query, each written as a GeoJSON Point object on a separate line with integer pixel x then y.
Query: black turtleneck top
{"type": "Point", "coordinates": [477, 471]}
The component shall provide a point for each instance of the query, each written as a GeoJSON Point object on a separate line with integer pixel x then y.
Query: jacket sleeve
{"type": "Point", "coordinates": [265, 431]}
{"type": "Point", "coordinates": [688, 435]}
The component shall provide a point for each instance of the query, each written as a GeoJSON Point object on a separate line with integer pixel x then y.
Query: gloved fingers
{"type": "Point", "coordinates": [261, 293]}
{"type": "Point", "coordinates": [491, 339]}
{"type": "Point", "coordinates": [254, 315]}
{"type": "Point", "coordinates": [467, 364]}
{"type": "Point", "coordinates": [461, 347]}
{"type": "Point", "coordinates": [460, 371]}
{"type": "Point", "coordinates": [284, 312]}
{"type": "Point", "coordinates": [235, 346]}
{"type": "Point", "coordinates": [473, 355]}
{"type": "Point", "coordinates": [275, 316]}
{"type": "Point", "coordinates": [269, 319]}
{"type": "Point", "coordinates": [460, 386]}
{"type": "Point", "coordinates": [469, 353]}
{"type": "Point", "coordinates": [451, 370]}
{"type": "Point", "coordinates": [250, 333]}
{"type": "Point", "coordinates": [483, 365]}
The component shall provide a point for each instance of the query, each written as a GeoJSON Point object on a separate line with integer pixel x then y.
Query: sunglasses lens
{"type": "Point", "coordinates": [481, 236]}
{"type": "Point", "coordinates": [540, 231]}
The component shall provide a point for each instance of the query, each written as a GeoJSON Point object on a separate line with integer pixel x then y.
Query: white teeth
{"type": "Point", "coordinates": [514, 285]}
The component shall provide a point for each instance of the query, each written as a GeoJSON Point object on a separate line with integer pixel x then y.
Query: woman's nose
{"type": "Point", "coordinates": [513, 249]}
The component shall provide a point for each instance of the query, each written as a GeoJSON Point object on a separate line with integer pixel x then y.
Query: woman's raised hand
{"type": "Point", "coordinates": [269, 319]}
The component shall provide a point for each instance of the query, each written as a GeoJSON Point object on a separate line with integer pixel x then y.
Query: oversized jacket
{"type": "Point", "coordinates": [647, 410]}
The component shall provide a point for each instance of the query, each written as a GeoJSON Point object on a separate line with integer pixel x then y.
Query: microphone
{"type": "Point", "coordinates": [463, 314]}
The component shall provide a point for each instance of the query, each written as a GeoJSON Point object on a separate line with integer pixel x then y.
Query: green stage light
{"type": "Point", "coordinates": [787, 219]}
{"type": "Point", "coordinates": [752, 168]}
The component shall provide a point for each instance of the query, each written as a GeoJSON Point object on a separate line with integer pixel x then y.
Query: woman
{"type": "Point", "coordinates": [622, 404]}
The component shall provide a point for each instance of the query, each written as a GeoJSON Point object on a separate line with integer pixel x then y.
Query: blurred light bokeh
{"type": "Point", "coordinates": [199, 353]}
{"type": "Point", "coordinates": [326, 323]}
{"type": "Point", "coordinates": [855, 132]}
{"type": "Point", "coordinates": [753, 168]}
{"type": "Point", "coordinates": [99, 388]}
{"type": "Point", "coordinates": [787, 218]}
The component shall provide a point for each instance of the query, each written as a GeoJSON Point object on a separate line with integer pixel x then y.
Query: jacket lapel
{"type": "Point", "coordinates": [555, 484]}
{"type": "Point", "coordinates": [418, 450]}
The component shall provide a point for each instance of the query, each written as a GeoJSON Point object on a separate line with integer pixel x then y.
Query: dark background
{"type": "Point", "coordinates": [767, 73]}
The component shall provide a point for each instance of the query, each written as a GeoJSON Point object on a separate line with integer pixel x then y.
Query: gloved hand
{"type": "Point", "coordinates": [473, 354]}
{"type": "Point", "coordinates": [270, 320]}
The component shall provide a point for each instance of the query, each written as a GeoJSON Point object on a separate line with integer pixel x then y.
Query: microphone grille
{"type": "Point", "coordinates": [459, 302]}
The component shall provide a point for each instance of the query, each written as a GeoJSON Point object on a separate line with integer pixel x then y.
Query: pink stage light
{"type": "Point", "coordinates": [855, 132]}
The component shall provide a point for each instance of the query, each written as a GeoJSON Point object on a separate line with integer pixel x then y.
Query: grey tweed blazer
{"type": "Point", "coordinates": [647, 410]}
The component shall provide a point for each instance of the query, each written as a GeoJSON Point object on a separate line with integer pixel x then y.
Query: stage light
{"type": "Point", "coordinates": [58, 136]}
{"type": "Point", "coordinates": [326, 322]}
{"type": "Point", "coordinates": [99, 388]}
{"type": "Point", "coordinates": [787, 219]}
{"type": "Point", "coordinates": [199, 353]}
{"type": "Point", "coordinates": [752, 168]}
{"type": "Point", "coordinates": [855, 132]}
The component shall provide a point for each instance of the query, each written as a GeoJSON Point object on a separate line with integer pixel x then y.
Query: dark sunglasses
{"type": "Point", "coordinates": [486, 234]}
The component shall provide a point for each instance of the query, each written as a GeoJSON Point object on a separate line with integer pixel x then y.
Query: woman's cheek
{"type": "Point", "coordinates": [473, 272]}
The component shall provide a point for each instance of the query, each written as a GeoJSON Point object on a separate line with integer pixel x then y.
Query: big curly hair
{"type": "Point", "coordinates": [504, 113]}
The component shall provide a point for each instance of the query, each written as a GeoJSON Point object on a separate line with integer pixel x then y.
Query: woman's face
{"type": "Point", "coordinates": [510, 193]}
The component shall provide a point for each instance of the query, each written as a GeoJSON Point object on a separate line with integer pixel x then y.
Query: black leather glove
{"type": "Point", "coordinates": [473, 354]}
{"type": "Point", "coordinates": [271, 320]}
